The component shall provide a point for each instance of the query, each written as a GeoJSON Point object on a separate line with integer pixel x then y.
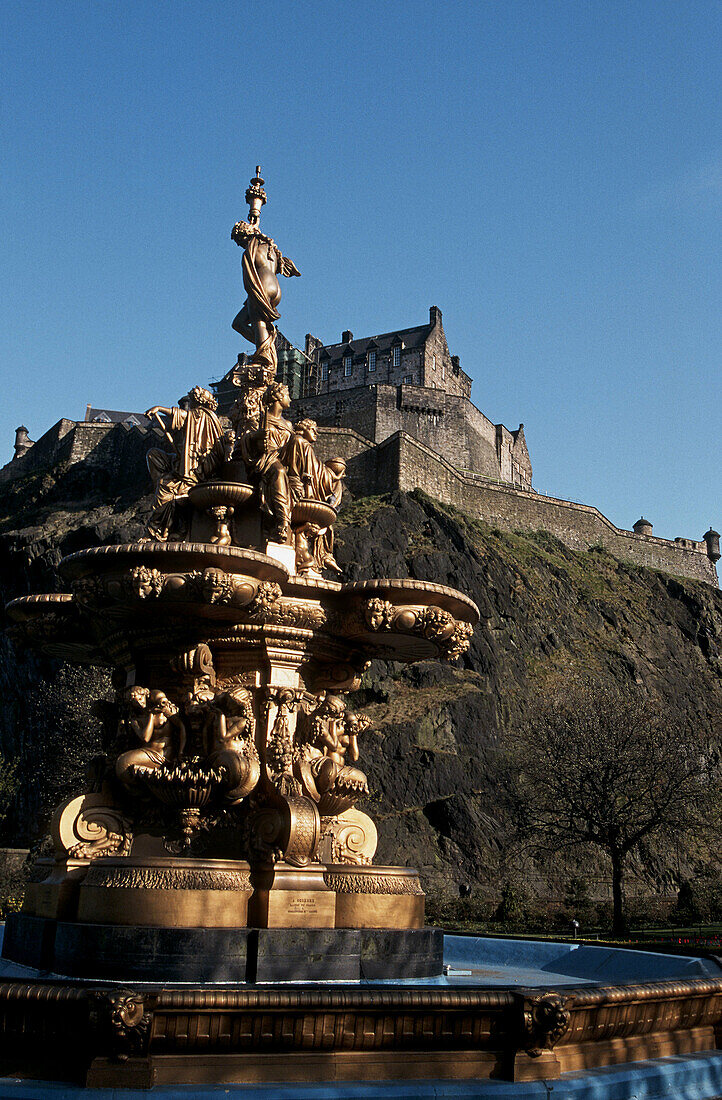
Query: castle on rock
{"type": "Point", "coordinates": [397, 407]}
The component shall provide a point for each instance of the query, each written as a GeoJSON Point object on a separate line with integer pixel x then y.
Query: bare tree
{"type": "Point", "coordinates": [611, 770]}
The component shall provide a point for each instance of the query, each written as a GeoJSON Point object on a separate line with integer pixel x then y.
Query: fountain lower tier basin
{"type": "Point", "coordinates": [518, 1011]}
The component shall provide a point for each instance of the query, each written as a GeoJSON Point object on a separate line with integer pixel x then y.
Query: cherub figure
{"type": "Point", "coordinates": [155, 721]}
{"type": "Point", "coordinates": [230, 732]}
{"type": "Point", "coordinates": [196, 713]}
{"type": "Point", "coordinates": [354, 724]}
{"type": "Point", "coordinates": [321, 762]}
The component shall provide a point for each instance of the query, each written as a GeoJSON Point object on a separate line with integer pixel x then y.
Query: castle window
{"type": "Point", "coordinates": [347, 365]}
{"type": "Point", "coordinates": [372, 360]}
{"type": "Point", "coordinates": [397, 356]}
{"type": "Point", "coordinates": [408, 379]}
{"type": "Point", "coordinates": [433, 363]}
{"type": "Point", "coordinates": [324, 371]}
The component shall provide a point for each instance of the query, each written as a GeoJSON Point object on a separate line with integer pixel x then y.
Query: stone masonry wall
{"type": "Point", "coordinates": [52, 447]}
{"type": "Point", "coordinates": [577, 525]}
{"type": "Point", "coordinates": [356, 406]}
{"type": "Point", "coordinates": [88, 440]}
{"type": "Point", "coordinates": [411, 365]}
{"type": "Point", "coordinates": [440, 369]}
{"type": "Point", "coordinates": [448, 424]}
{"type": "Point", "coordinates": [115, 450]}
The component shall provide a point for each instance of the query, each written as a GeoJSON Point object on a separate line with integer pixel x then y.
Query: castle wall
{"type": "Point", "coordinates": [87, 440]}
{"type": "Point", "coordinates": [117, 453]}
{"type": "Point", "coordinates": [446, 423]}
{"type": "Point", "coordinates": [579, 526]}
{"type": "Point", "coordinates": [52, 447]}
{"type": "Point", "coordinates": [356, 406]}
{"type": "Point", "coordinates": [439, 369]}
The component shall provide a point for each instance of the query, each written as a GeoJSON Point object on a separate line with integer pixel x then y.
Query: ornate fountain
{"type": "Point", "coordinates": [228, 803]}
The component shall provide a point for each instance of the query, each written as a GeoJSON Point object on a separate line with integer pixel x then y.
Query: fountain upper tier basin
{"type": "Point", "coordinates": [171, 556]}
{"type": "Point", "coordinates": [194, 588]}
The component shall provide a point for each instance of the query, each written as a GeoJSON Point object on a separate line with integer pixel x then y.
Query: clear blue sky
{"type": "Point", "coordinates": [548, 173]}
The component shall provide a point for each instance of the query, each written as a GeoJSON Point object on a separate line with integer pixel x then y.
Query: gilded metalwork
{"type": "Point", "coordinates": [122, 1020]}
{"type": "Point", "coordinates": [88, 826]}
{"type": "Point", "coordinates": [546, 1019]}
{"type": "Point", "coordinates": [353, 837]}
{"type": "Point", "coordinates": [377, 881]}
{"type": "Point", "coordinates": [155, 877]}
{"type": "Point", "coordinates": [195, 435]}
{"type": "Point", "coordinates": [262, 263]}
{"type": "Point", "coordinates": [233, 658]}
{"type": "Point", "coordinates": [326, 736]}
{"type": "Point", "coordinates": [433, 623]}
{"type": "Point", "coordinates": [122, 1036]}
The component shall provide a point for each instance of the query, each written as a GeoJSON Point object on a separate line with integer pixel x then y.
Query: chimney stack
{"type": "Point", "coordinates": [346, 336]}
{"type": "Point", "coordinates": [434, 315]}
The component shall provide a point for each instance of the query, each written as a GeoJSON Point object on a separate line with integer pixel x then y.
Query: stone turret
{"type": "Point", "coordinates": [711, 537]}
{"type": "Point", "coordinates": [643, 527]}
{"type": "Point", "coordinates": [23, 443]}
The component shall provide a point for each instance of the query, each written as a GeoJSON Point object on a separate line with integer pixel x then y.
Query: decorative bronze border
{"type": "Point", "coordinates": [223, 1033]}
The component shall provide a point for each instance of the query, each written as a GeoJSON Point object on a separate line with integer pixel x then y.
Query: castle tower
{"type": "Point", "coordinates": [23, 443]}
{"type": "Point", "coordinates": [711, 537]}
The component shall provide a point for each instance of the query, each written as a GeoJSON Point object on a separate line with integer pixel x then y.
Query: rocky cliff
{"type": "Point", "coordinates": [546, 613]}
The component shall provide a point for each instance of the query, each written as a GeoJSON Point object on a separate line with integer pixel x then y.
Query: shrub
{"type": "Point", "coordinates": [699, 901]}
{"type": "Point", "coordinates": [514, 908]}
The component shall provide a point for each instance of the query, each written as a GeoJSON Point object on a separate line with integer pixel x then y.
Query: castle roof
{"type": "Point", "coordinates": [414, 337]}
{"type": "Point", "coordinates": [115, 416]}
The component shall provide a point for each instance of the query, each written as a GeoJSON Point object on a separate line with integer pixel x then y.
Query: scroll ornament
{"type": "Point", "coordinates": [434, 623]}
{"type": "Point", "coordinates": [87, 826]}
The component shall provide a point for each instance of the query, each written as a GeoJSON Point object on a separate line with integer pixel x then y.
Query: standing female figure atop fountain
{"type": "Point", "coordinates": [262, 263]}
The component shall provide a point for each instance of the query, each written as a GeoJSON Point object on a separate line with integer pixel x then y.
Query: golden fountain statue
{"type": "Point", "coordinates": [262, 263]}
{"type": "Point", "coordinates": [228, 803]}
